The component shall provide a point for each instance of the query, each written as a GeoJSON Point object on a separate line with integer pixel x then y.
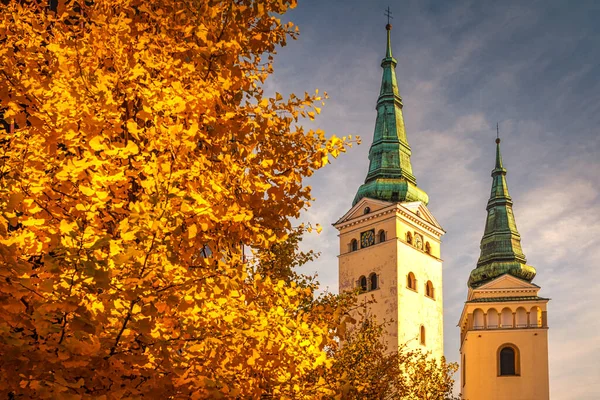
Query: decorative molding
{"type": "Point", "coordinates": [399, 211]}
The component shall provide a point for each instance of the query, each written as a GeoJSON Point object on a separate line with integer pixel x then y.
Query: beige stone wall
{"type": "Point", "coordinates": [481, 351]}
{"type": "Point", "coordinates": [511, 313]}
{"type": "Point", "coordinates": [392, 260]}
{"type": "Point", "coordinates": [381, 259]}
{"type": "Point", "coordinates": [416, 309]}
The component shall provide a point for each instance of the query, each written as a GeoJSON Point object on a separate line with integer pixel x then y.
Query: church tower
{"type": "Point", "coordinates": [389, 241]}
{"type": "Point", "coordinates": [503, 326]}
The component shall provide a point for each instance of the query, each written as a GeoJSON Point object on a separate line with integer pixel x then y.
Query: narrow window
{"type": "Point", "coordinates": [411, 282]}
{"type": "Point", "coordinates": [493, 319]}
{"type": "Point", "coordinates": [508, 360]}
{"type": "Point", "coordinates": [429, 289]}
{"type": "Point", "coordinates": [362, 283]}
{"type": "Point", "coordinates": [464, 370]}
{"type": "Point", "coordinates": [354, 245]}
{"type": "Point", "coordinates": [478, 318]}
{"type": "Point", "coordinates": [422, 335]}
{"type": "Point", "coordinates": [373, 281]}
{"type": "Point", "coordinates": [521, 318]}
{"type": "Point", "coordinates": [535, 317]}
{"type": "Point", "coordinates": [506, 318]}
{"type": "Point", "coordinates": [381, 236]}
{"type": "Point", "coordinates": [408, 238]}
{"type": "Point", "coordinates": [427, 248]}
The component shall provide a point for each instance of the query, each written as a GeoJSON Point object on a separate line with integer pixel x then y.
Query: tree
{"type": "Point", "coordinates": [366, 369]}
{"type": "Point", "coordinates": [142, 156]}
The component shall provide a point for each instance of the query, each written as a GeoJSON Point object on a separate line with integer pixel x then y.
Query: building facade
{"type": "Point", "coordinates": [504, 324]}
{"type": "Point", "coordinates": [389, 240]}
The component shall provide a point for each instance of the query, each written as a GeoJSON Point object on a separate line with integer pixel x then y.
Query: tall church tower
{"type": "Point", "coordinates": [389, 241]}
{"type": "Point", "coordinates": [503, 326]}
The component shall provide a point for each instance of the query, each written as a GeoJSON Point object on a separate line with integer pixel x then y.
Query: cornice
{"type": "Point", "coordinates": [399, 210]}
{"type": "Point", "coordinates": [363, 218]}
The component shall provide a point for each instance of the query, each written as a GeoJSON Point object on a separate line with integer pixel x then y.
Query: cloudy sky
{"type": "Point", "coordinates": [532, 66]}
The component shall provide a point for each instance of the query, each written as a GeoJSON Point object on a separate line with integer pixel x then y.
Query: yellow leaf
{"type": "Point", "coordinates": [101, 195]}
{"type": "Point", "coordinates": [86, 190]}
{"type": "Point", "coordinates": [131, 148]}
{"type": "Point", "coordinates": [66, 227]}
{"type": "Point", "coordinates": [96, 143]}
{"type": "Point", "coordinates": [192, 231]}
{"type": "Point", "coordinates": [33, 222]}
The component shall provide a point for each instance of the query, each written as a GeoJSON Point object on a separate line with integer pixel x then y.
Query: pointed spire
{"type": "Point", "coordinates": [499, 186]}
{"type": "Point", "coordinates": [388, 50]}
{"type": "Point", "coordinates": [501, 251]}
{"type": "Point", "coordinates": [390, 176]}
{"type": "Point", "coordinates": [498, 155]}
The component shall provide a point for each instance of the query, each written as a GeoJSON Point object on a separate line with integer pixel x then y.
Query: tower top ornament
{"type": "Point", "coordinates": [388, 14]}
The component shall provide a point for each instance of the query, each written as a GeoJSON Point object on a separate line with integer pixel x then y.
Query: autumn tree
{"type": "Point", "coordinates": [365, 368]}
{"type": "Point", "coordinates": [140, 156]}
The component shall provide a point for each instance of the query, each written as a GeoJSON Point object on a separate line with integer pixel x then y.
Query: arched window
{"type": "Point", "coordinates": [362, 283]}
{"type": "Point", "coordinates": [492, 319]}
{"type": "Point", "coordinates": [508, 360]}
{"type": "Point", "coordinates": [521, 318]}
{"type": "Point", "coordinates": [427, 248]}
{"type": "Point", "coordinates": [411, 282]}
{"type": "Point", "coordinates": [422, 335]}
{"type": "Point", "coordinates": [373, 281]}
{"type": "Point", "coordinates": [506, 318]}
{"type": "Point", "coordinates": [535, 317]}
{"type": "Point", "coordinates": [478, 319]}
{"type": "Point", "coordinates": [367, 210]}
{"type": "Point", "coordinates": [429, 289]}
{"type": "Point", "coordinates": [408, 238]}
{"type": "Point", "coordinates": [381, 236]}
{"type": "Point", "coordinates": [353, 245]}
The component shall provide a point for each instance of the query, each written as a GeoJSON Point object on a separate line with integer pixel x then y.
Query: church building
{"type": "Point", "coordinates": [389, 240]}
{"type": "Point", "coordinates": [504, 325]}
{"type": "Point", "coordinates": [390, 251]}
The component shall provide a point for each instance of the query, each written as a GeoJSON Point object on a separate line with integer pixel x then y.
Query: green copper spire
{"type": "Point", "coordinates": [390, 176]}
{"type": "Point", "coordinates": [501, 251]}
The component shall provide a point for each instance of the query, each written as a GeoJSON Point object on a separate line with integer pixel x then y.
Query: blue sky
{"type": "Point", "coordinates": [534, 67]}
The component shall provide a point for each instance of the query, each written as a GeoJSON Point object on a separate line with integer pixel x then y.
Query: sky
{"type": "Point", "coordinates": [463, 66]}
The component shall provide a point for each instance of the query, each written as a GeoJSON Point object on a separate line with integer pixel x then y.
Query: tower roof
{"type": "Point", "coordinates": [501, 251]}
{"type": "Point", "coordinates": [390, 176]}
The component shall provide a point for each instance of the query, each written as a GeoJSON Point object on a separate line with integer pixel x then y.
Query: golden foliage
{"type": "Point", "coordinates": [144, 155]}
{"type": "Point", "coordinates": [377, 373]}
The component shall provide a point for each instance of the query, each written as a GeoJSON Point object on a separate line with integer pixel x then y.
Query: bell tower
{"type": "Point", "coordinates": [389, 240]}
{"type": "Point", "coordinates": [503, 326]}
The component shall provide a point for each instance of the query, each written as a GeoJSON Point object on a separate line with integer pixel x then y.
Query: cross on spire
{"type": "Point", "coordinates": [388, 14]}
